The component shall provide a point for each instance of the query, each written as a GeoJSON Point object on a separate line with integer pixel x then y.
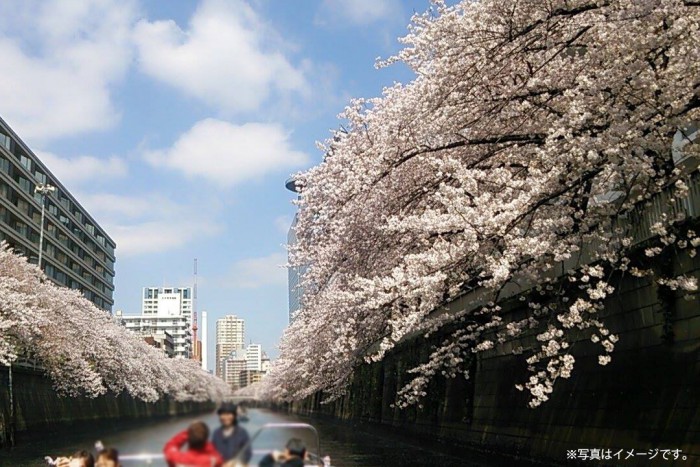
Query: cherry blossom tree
{"type": "Point", "coordinates": [82, 348]}
{"type": "Point", "coordinates": [530, 127]}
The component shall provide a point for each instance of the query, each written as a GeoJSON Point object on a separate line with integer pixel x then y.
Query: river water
{"type": "Point", "coordinates": [347, 444]}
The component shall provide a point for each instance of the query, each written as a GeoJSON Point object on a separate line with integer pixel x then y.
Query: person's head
{"type": "Point", "coordinates": [227, 414]}
{"type": "Point", "coordinates": [82, 459]}
{"type": "Point", "coordinates": [197, 435]}
{"type": "Point", "coordinates": [295, 447]}
{"type": "Point", "coordinates": [108, 458]}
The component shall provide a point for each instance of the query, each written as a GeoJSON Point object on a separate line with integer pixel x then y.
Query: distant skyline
{"type": "Point", "coordinates": [176, 125]}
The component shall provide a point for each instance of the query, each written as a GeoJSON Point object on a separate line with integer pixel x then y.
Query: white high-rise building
{"type": "Point", "coordinates": [165, 309]}
{"type": "Point", "coordinates": [205, 342]}
{"type": "Point", "coordinates": [234, 365]}
{"type": "Point", "coordinates": [244, 367]}
{"type": "Point", "coordinates": [230, 336]}
{"type": "Point", "coordinates": [253, 357]}
{"type": "Point", "coordinates": [266, 363]}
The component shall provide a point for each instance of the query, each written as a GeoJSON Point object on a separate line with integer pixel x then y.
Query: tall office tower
{"type": "Point", "coordinates": [76, 252]}
{"type": "Point", "coordinates": [230, 332]}
{"type": "Point", "coordinates": [165, 309]}
{"type": "Point", "coordinates": [205, 342]}
{"type": "Point", "coordinates": [197, 354]}
{"type": "Point", "coordinates": [293, 273]}
{"type": "Point", "coordinates": [253, 357]}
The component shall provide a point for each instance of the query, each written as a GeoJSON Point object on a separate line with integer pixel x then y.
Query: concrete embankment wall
{"type": "Point", "coordinates": [38, 409]}
{"type": "Point", "coordinates": [647, 398]}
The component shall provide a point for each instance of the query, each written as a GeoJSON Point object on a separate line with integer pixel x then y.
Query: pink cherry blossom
{"type": "Point", "coordinates": [530, 127]}
{"type": "Point", "coordinates": [82, 348]}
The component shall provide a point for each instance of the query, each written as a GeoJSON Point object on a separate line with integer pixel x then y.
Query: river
{"type": "Point", "coordinates": [347, 444]}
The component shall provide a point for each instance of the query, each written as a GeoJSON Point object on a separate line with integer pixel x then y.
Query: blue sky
{"type": "Point", "coordinates": [176, 124]}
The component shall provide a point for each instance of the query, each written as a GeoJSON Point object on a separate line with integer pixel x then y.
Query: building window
{"type": "Point", "coordinates": [63, 239]}
{"type": "Point", "coordinates": [5, 141]}
{"type": "Point", "coordinates": [5, 165]}
{"type": "Point", "coordinates": [39, 177]}
{"type": "Point", "coordinates": [65, 202]}
{"type": "Point", "coordinates": [21, 228]}
{"type": "Point", "coordinates": [26, 162]}
{"type": "Point", "coordinates": [61, 257]}
{"type": "Point", "coordinates": [60, 276]}
{"type": "Point", "coordinates": [25, 184]}
{"type": "Point", "coordinates": [23, 206]}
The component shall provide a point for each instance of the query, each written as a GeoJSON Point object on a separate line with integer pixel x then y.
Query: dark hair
{"type": "Point", "coordinates": [296, 447]}
{"type": "Point", "coordinates": [109, 453]}
{"type": "Point", "coordinates": [197, 435]}
{"type": "Point", "coordinates": [88, 460]}
{"type": "Point", "coordinates": [229, 407]}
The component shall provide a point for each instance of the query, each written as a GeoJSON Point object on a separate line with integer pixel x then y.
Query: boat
{"type": "Point", "coordinates": [268, 438]}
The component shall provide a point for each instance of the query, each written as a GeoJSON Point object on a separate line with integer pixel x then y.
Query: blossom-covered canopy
{"type": "Point", "coordinates": [530, 125]}
{"type": "Point", "coordinates": [82, 348]}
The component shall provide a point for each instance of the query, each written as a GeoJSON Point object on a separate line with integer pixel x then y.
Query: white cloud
{"type": "Point", "coordinates": [113, 206]}
{"type": "Point", "coordinates": [81, 169]}
{"type": "Point", "coordinates": [59, 60]}
{"type": "Point", "coordinates": [227, 56]}
{"type": "Point", "coordinates": [151, 223]}
{"type": "Point", "coordinates": [157, 236]}
{"type": "Point", "coordinates": [357, 12]}
{"type": "Point", "coordinates": [227, 153]}
{"type": "Point", "coordinates": [252, 273]}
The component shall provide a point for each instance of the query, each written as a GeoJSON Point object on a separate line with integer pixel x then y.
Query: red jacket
{"type": "Point", "coordinates": [207, 457]}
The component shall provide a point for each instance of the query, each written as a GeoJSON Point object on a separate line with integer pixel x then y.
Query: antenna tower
{"type": "Point", "coordinates": [195, 355]}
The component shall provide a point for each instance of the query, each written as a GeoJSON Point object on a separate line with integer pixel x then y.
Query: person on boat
{"type": "Point", "coordinates": [242, 413]}
{"type": "Point", "coordinates": [292, 456]}
{"type": "Point", "coordinates": [200, 452]}
{"type": "Point", "coordinates": [231, 440]}
{"type": "Point", "coordinates": [79, 459]}
{"type": "Point", "coordinates": [108, 457]}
